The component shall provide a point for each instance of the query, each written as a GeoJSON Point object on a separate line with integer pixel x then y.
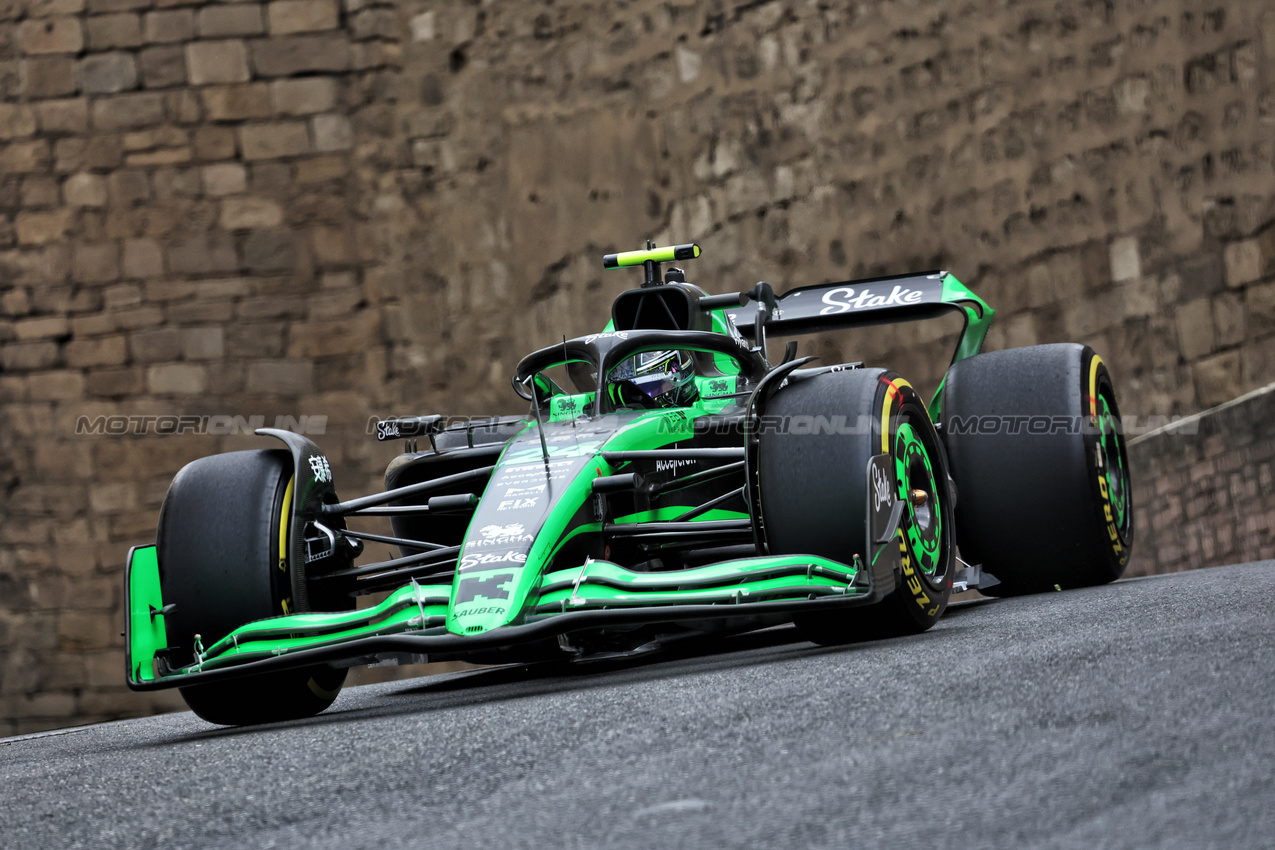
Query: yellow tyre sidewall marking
{"type": "Point", "coordinates": [1113, 534]}
{"type": "Point", "coordinates": [285, 516]}
{"type": "Point", "coordinates": [894, 392]}
{"type": "Point", "coordinates": [911, 576]}
{"type": "Point", "coordinates": [1093, 385]}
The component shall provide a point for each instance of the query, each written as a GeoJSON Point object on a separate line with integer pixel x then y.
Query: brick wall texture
{"type": "Point", "coordinates": [351, 207]}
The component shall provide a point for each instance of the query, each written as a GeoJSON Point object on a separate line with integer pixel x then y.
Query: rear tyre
{"type": "Point", "coordinates": [814, 493]}
{"type": "Point", "coordinates": [1038, 456]}
{"type": "Point", "coordinates": [224, 561]}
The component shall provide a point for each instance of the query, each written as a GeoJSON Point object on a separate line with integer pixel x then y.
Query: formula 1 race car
{"type": "Point", "coordinates": [667, 481]}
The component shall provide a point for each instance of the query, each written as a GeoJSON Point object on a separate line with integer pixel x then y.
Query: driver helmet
{"type": "Point", "coordinates": [653, 379]}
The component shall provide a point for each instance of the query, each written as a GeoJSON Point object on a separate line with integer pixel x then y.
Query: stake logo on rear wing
{"type": "Point", "coordinates": [827, 306]}
{"type": "Point", "coordinates": [844, 299]}
{"type": "Point", "coordinates": [873, 301]}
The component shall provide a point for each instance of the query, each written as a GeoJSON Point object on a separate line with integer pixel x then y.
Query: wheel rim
{"type": "Point", "coordinates": [1113, 462]}
{"type": "Point", "coordinates": [923, 526]}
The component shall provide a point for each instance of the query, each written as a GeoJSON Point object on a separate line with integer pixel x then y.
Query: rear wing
{"type": "Point", "coordinates": [872, 301]}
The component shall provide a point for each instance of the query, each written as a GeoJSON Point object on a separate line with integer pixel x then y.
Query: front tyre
{"type": "Point", "coordinates": [814, 493]}
{"type": "Point", "coordinates": [224, 561]}
{"type": "Point", "coordinates": [266, 698]}
{"type": "Point", "coordinates": [1038, 455]}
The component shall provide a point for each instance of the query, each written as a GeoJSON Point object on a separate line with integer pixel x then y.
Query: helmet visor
{"type": "Point", "coordinates": [654, 374]}
{"type": "Point", "coordinates": [654, 386]}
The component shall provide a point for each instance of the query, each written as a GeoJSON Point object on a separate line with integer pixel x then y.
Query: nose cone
{"type": "Point", "coordinates": [490, 583]}
{"type": "Point", "coordinates": [525, 510]}
{"type": "Point", "coordinates": [536, 497]}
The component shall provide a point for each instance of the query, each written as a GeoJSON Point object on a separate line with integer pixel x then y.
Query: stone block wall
{"type": "Point", "coordinates": [340, 208]}
{"type": "Point", "coordinates": [1205, 488]}
{"type": "Point", "coordinates": [1099, 171]}
{"type": "Point", "coordinates": [179, 236]}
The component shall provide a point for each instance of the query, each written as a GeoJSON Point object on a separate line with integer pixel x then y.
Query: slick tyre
{"type": "Point", "coordinates": [814, 493]}
{"type": "Point", "coordinates": [223, 562]}
{"type": "Point", "coordinates": [1038, 455]}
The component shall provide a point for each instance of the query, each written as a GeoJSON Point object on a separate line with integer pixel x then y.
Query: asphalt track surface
{"type": "Point", "coordinates": [1135, 715]}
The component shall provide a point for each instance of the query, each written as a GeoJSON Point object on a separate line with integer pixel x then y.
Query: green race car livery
{"type": "Point", "coordinates": [668, 481]}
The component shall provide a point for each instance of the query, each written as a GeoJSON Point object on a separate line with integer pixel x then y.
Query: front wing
{"type": "Point", "coordinates": [411, 621]}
